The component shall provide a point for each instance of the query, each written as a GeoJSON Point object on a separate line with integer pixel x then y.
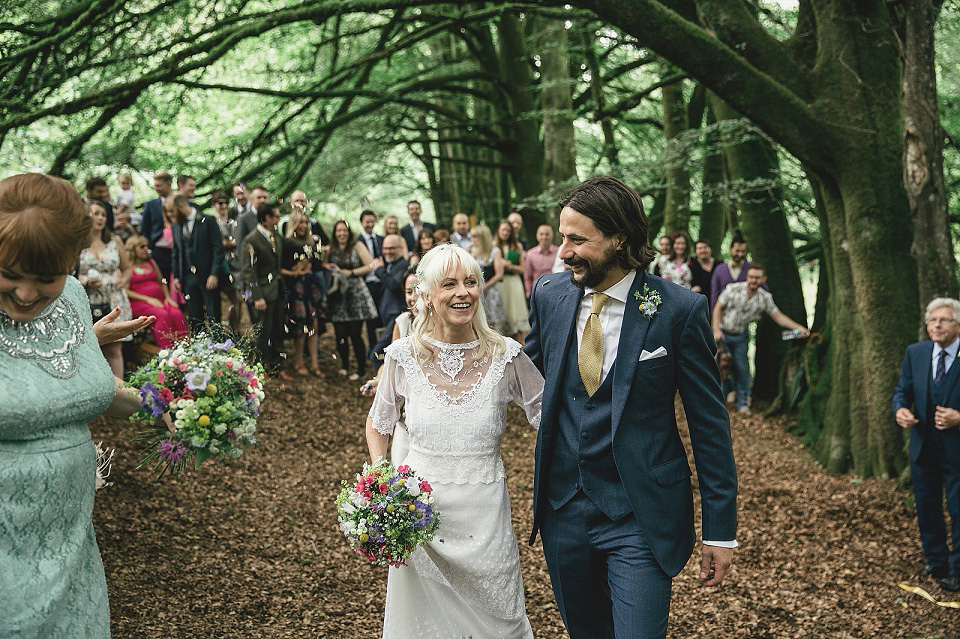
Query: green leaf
{"type": "Point", "coordinates": [202, 455]}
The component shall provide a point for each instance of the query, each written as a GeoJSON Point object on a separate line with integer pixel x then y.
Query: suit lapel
{"type": "Point", "coordinates": [633, 334]}
{"type": "Point", "coordinates": [922, 365]}
{"type": "Point", "coordinates": [564, 327]}
{"type": "Point", "coordinates": [950, 379]}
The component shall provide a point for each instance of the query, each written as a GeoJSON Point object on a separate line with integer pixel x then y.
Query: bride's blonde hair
{"type": "Point", "coordinates": [438, 264]}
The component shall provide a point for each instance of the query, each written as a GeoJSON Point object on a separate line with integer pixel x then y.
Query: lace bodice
{"type": "Point", "coordinates": [456, 403]}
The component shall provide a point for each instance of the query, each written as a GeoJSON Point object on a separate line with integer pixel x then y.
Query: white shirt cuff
{"type": "Point", "coordinates": [721, 544]}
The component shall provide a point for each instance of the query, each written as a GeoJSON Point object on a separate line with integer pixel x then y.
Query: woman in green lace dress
{"type": "Point", "coordinates": [53, 380]}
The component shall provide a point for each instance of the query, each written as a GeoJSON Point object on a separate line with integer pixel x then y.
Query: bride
{"type": "Point", "coordinates": [454, 378]}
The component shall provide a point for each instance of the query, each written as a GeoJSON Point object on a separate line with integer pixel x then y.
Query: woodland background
{"type": "Point", "coordinates": [825, 130]}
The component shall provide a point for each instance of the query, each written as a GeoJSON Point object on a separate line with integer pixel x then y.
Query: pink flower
{"type": "Point", "coordinates": [384, 489]}
{"type": "Point", "coordinates": [183, 368]}
{"type": "Point", "coordinates": [176, 361]}
{"type": "Point", "coordinates": [229, 364]}
{"type": "Point", "coordinates": [161, 378]}
{"type": "Point", "coordinates": [254, 382]}
{"type": "Point", "coordinates": [219, 373]}
{"type": "Point", "coordinates": [425, 486]}
{"type": "Point", "coordinates": [403, 470]}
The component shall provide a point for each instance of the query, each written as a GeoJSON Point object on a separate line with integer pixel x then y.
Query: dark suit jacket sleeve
{"type": "Point", "coordinates": [249, 265]}
{"type": "Point", "coordinates": [532, 346]}
{"type": "Point", "coordinates": [393, 281]}
{"type": "Point", "coordinates": [903, 395]}
{"type": "Point", "coordinates": [177, 251]}
{"type": "Point", "coordinates": [216, 244]}
{"type": "Point", "coordinates": [698, 379]}
{"type": "Point", "coordinates": [146, 224]}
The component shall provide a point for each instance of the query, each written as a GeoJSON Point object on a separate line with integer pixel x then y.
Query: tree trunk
{"type": "Point", "coordinates": [524, 151]}
{"type": "Point", "coordinates": [713, 196]}
{"type": "Point", "coordinates": [753, 161]}
{"type": "Point", "coordinates": [559, 142]}
{"type": "Point", "coordinates": [923, 157]}
{"type": "Point", "coordinates": [676, 213]}
{"type": "Point", "coordinates": [610, 150]}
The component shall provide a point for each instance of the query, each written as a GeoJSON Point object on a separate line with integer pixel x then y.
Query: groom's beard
{"type": "Point", "coordinates": [595, 272]}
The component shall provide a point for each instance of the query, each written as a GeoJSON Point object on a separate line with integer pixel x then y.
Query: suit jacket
{"type": "Point", "coordinates": [407, 233]}
{"type": "Point", "coordinates": [914, 392]}
{"type": "Point", "coordinates": [151, 226]}
{"type": "Point", "coordinates": [392, 302]}
{"type": "Point", "coordinates": [207, 245]}
{"type": "Point", "coordinates": [647, 449]}
{"type": "Point", "coordinates": [246, 223]}
{"type": "Point", "coordinates": [261, 265]}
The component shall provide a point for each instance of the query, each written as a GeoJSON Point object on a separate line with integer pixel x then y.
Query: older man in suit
{"type": "Point", "coordinates": [260, 257]}
{"type": "Point", "coordinates": [198, 263]}
{"type": "Point", "coordinates": [391, 271]}
{"type": "Point", "coordinates": [926, 402]}
{"type": "Point", "coordinates": [613, 500]}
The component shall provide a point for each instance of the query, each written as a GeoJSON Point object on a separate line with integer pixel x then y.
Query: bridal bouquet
{"type": "Point", "coordinates": [387, 513]}
{"type": "Point", "coordinates": [213, 395]}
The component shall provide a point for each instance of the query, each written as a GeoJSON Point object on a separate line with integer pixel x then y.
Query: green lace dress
{"type": "Point", "coordinates": [53, 380]}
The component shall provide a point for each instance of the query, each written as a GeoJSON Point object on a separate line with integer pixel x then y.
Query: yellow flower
{"type": "Point", "coordinates": [364, 538]}
{"type": "Point", "coordinates": [211, 390]}
{"type": "Point", "coordinates": [389, 508]}
{"type": "Point", "coordinates": [411, 508]}
{"type": "Point", "coordinates": [203, 420]}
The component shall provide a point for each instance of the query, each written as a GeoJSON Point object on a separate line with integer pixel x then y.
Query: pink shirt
{"type": "Point", "coordinates": [538, 263]}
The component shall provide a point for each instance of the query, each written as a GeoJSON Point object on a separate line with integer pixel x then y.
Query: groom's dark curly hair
{"type": "Point", "coordinates": [615, 209]}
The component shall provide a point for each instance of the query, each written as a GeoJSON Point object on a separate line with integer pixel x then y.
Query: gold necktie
{"type": "Point", "coordinates": [273, 243]}
{"type": "Point", "coordinates": [590, 357]}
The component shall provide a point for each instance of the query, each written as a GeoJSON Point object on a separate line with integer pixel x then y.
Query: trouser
{"type": "Point", "coordinates": [268, 326]}
{"type": "Point", "coordinates": [605, 579]}
{"type": "Point", "coordinates": [201, 304]}
{"type": "Point", "coordinates": [934, 474]}
{"type": "Point", "coordinates": [352, 332]}
{"type": "Point", "coordinates": [739, 367]}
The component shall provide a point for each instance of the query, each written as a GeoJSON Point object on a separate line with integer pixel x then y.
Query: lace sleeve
{"type": "Point", "coordinates": [527, 386]}
{"type": "Point", "coordinates": [388, 403]}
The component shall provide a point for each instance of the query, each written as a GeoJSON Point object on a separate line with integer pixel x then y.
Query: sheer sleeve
{"type": "Point", "coordinates": [527, 385]}
{"type": "Point", "coordinates": [388, 403]}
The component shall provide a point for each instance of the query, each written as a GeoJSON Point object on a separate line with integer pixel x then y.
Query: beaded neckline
{"type": "Point", "coordinates": [448, 346]}
{"type": "Point", "coordinates": [49, 339]}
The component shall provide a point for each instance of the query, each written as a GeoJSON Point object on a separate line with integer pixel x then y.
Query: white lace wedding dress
{"type": "Point", "coordinates": [466, 582]}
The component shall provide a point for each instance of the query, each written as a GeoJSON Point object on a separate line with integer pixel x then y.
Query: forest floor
{"type": "Point", "coordinates": [251, 548]}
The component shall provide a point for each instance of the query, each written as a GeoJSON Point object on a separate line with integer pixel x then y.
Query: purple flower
{"type": "Point", "coordinates": [172, 451]}
{"type": "Point", "coordinates": [197, 379]}
{"type": "Point", "coordinates": [152, 401]}
{"type": "Point", "coordinates": [226, 346]}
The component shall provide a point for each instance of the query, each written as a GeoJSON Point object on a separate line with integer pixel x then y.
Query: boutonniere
{"type": "Point", "coordinates": [649, 301]}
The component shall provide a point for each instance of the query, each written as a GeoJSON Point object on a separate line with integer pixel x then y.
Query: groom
{"type": "Point", "coordinates": [613, 500]}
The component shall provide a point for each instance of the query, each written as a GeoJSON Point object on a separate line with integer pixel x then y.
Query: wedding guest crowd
{"type": "Point", "coordinates": [195, 263]}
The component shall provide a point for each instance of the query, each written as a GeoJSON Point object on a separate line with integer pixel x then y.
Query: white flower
{"type": "Point", "coordinates": [179, 423]}
{"type": "Point", "coordinates": [163, 353]}
{"type": "Point", "coordinates": [181, 414]}
{"type": "Point", "coordinates": [414, 488]}
{"type": "Point", "coordinates": [358, 500]}
{"type": "Point", "coordinates": [348, 508]}
{"type": "Point", "coordinates": [220, 429]}
{"type": "Point", "coordinates": [348, 528]}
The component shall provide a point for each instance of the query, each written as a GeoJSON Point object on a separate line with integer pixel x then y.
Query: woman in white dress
{"type": "Point", "coordinates": [454, 377]}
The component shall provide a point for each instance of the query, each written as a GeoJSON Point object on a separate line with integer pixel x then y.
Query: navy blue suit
{"type": "Point", "coordinates": [612, 468]}
{"type": "Point", "coordinates": [194, 260]}
{"type": "Point", "coordinates": [392, 300]}
{"type": "Point", "coordinates": [934, 454]}
{"type": "Point", "coordinates": [151, 226]}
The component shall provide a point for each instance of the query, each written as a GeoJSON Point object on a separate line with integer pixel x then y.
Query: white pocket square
{"type": "Point", "coordinates": [645, 355]}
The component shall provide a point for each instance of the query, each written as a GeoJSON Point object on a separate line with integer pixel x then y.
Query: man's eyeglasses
{"type": "Point", "coordinates": [940, 320]}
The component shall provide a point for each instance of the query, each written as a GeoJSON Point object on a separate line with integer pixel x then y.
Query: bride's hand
{"type": "Point", "coordinates": [369, 389]}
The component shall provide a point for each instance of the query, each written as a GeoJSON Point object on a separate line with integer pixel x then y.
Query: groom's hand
{"type": "Point", "coordinates": [713, 567]}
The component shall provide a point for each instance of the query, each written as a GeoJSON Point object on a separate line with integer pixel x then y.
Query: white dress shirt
{"type": "Point", "coordinates": [191, 219]}
{"type": "Point", "coordinates": [951, 356]}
